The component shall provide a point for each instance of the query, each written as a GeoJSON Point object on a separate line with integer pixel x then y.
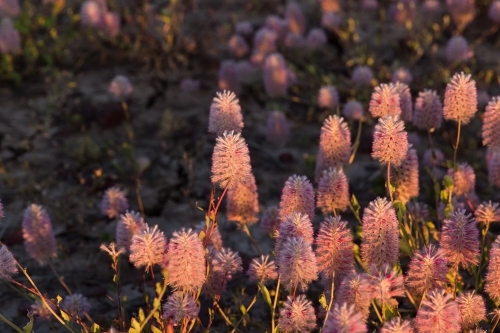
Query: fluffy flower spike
{"type": "Point", "coordinates": [38, 235]}
{"type": "Point", "coordinates": [428, 112]}
{"type": "Point", "coordinates": [385, 101]}
{"type": "Point", "coordinates": [225, 114]}
{"type": "Point", "coordinates": [355, 289]}
{"type": "Point", "coordinates": [120, 87]}
{"type": "Point", "coordinates": [242, 202]}
{"type": "Point", "coordinates": [492, 280]}
{"type": "Point", "coordinates": [269, 221]}
{"type": "Point", "coordinates": [297, 196]}
{"type": "Point", "coordinates": [438, 313]}
{"type": "Point", "coordinates": [460, 99]}
{"type": "Point", "coordinates": [472, 309]}
{"type": "Point", "coordinates": [405, 177]}
{"type": "Point", "coordinates": [114, 203]}
{"type": "Point", "coordinates": [387, 285]}
{"type": "Point", "coordinates": [129, 224]}
{"type": "Point", "coordinates": [491, 123]}
{"type": "Point", "coordinates": [262, 269]}
{"type": "Point", "coordinates": [297, 315]}
{"type": "Point", "coordinates": [397, 325]}
{"type": "Point", "coordinates": [296, 263]}
{"type": "Point", "coordinates": [180, 306]}
{"type": "Point", "coordinates": [345, 319]}
{"type": "Point", "coordinates": [464, 179]}
{"type": "Point", "coordinates": [275, 76]}
{"type": "Point", "coordinates": [333, 191]}
{"type": "Point", "coordinates": [148, 248]}
{"type": "Point", "coordinates": [328, 97]}
{"type": "Point", "coordinates": [427, 270]}
{"type": "Point", "coordinates": [8, 265]}
{"type": "Point", "coordinates": [76, 305]}
{"type": "Point", "coordinates": [487, 212]}
{"type": "Point", "coordinates": [277, 129]}
{"type": "Point", "coordinates": [390, 141]}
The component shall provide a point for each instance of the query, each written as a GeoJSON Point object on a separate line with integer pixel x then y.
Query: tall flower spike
{"type": "Point", "coordinates": [296, 263]}
{"type": "Point", "coordinates": [264, 41]}
{"type": "Point", "coordinates": [380, 242]}
{"type": "Point", "coordinates": [262, 269]}
{"type": "Point", "coordinates": [230, 160]}
{"type": "Point", "coordinates": [228, 77]}
{"type": "Point", "coordinates": [275, 76]}
{"type": "Point", "coordinates": [334, 248]}
{"type": "Point", "coordinates": [113, 203]}
{"type": "Point", "coordinates": [10, 8]}
{"type": "Point", "coordinates": [297, 196]}
{"type": "Point", "coordinates": [278, 25]}
{"type": "Point", "coordinates": [333, 191]}
{"type": "Point", "coordinates": [38, 235]}
{"type": "Point", "coordinates": [356, 290]}
{"type": "Point", "coordinates": [438, 313]}
{"type": "Point", "coordinates": [487, 212]}
{"type": "Point", "coordinates": [385, 101]}
{"type": "Point", "coordinates": [334, 145]}
{"type": "Point", "coordinates": [186, 261]}
{"type": "Point", "coordinates": [225, 114]}
{"type": "Point", "coordinates": [405, 102]}
{"type": "Point", "coordinates": [8, 265]}
{"type": "Point", "coordinates": [472, 309]}
{"type": "Point", "coordinates": [362, 76]}
{"type": "Point", "coordinates": [328, 97]}
{"type": "Point", "coordinates": [297, 315]}
{"type": "Point", "coordinates": [386, 284]}
{"type": "Point", "coordinates": [405, 177]}
{"type": "Point", "coordinates": [390, 141]}
{"type": "Point", "coordinates": [180, 306]}
{"type": "Point", "coordinates": [460, 239]}
{"type": "Point", "coordinates": [428, 110]}
{"type": "Point", "coordinates": [296, 225]}
{"type": "Point", "coordinates": [460, 99]}
{"type": "Point", "coordinates": [491, 123]}
{"type": "Point", "coordinates": [464, 179]}
{"type": "Point", "coordinates": [242, 202]}
{"type": "Point", "coordinates": [277, 129]}
{"type": "Point", "coordinates": [76, 305]}
{"type": "Point", "coordinates": [397, 325]}
{"type": "Point", "coordinates": [427, 270]}
{"type": "Point", "coordinates": [269, 221]}
{"type": "Point", "coordinates": [129, 224]}
{"type": "Point", "coordinates": [345, 319]}
{"type": "Point", "coordinates": [492, 279]}
{"type": "Point", "coordinates": [462, 12]}
{"type": "Point", "coordinates": [120, 87]}
{"type": "Point", "coordinates": [353, 110]}
{"type": "Point", "coordinates": [148, 248]}
{"type": "Point", "coordinates": [295, 17]}
{"type": "Point", "coordinates": [227, 262]}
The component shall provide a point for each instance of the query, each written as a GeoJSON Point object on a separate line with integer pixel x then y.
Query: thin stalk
{"type": "Point", "coordinates": [456, 282]}
{"type": "Point", "coordinates": [152, 312]}
{"type": "Point", "coordinates": [456, 145]}
{"type": "Point", "coordinates": [377, 312]}
{"type": "Point", "coordinates": [247, 310]}
{"type": "Point", "coordinates": [410, 297]}
{"type": "Point", "coordinates": [247, 231]}
{"type": "Point", "coordinates": [389, 181]}
{"type": "Point", "coordinates": [138, 195]}
{"type": "Point", "coordinates": [118, 293]}
{"type": "Point", "coordinates": [495, 325]}
{"type": "Point", "coordinates": [356, 214]}
{"type": "Point", "coordinates": [61, 281]}
{"type": "Point", "coordinates": [331, 299]}
{"type": "Point", "coordinates": [355, 146]}
{"type": "Point", "coordinates": [11, 324]}
{"type": "Point", "coordinates": [130, 131]}
{"type": "Point", "coordinates": [483, 253]}
{"type": "Point", "coordinates": [273, 311]}
{"type": "Point", "coordinates": [226, 319]}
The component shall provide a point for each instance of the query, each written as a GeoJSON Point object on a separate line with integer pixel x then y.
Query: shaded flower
{"type": "Point", "coordinates": [433, 158]}
{"type": "Point", "coordinates": [295, 41]}
{"type": "Point", "coordinates": [296, 263]}
{"type": "Point", "coordinates": [264, 41]}
{"type": "Point", "coordinates": [491, 123]}
{"type": "Point", "coordinates": [38, 235]}
{"type": "Point", "coordinates": [277, 129]}
{"type": "Point", "coordinates": [329, 5]}
{"type": "Point", "coordinates": [2, 212]}
{"type": "Point", "coordinates": [427, 270]}
{"type": "Point", "coordinates": [380, 242]}
{"type": "Point", "coordinates": [472, 309]}
{"type": "Point", "coordinates": [353, 110]}
{"type": "Point", "coordinates": [110, 24]}
{"type": "Point", "coordinates": [40, 310]}
{"type": "Point", "coordinates": [390, 141]}
{"type": "Point", "coordinates": [10, 8]}
{"type": "Point", "coordinates": [328, 97]}
{"type": "Point", "coordinates": [228, 77]}
{"type": "Point", "coordinates": [462, 11]}
{"type": "Point", "coordinates": [242, 202]}
{"type": "Point", "coordinates": [402, 75]}
{"type": "Point", "coordinates": [464, 179]}
{"type": "Point", "coordinates": [215, 240]}
{"type": "Point", "coordinates": [355, 289]}
{"type": "Point", "coordinates": [492, 279]}
{"type": "Point", "coordinates": [189, 85]}
{"type": "Point", "coordinates": [362, 76]}
{"type": "Point", "coordinates": [91, 14]}
{"type": "Point", "coordinates": [385, 101]}
{"type": "Point", "coordinates": [333, 191]}
{"type": "Point", "coordinates": [247, 72]}
{"type": "Point", "coordinates": [237, 46]}
{"type": "Point", "coordinates": [297, 196]}
{"type": "Point", "coordinates": [405, 102]}
{"type": "Point", "coordinates": [345, 319]}
{"type": "Point", "coordinates": [113, 203]}
{"type": "Point", "coordinates": [419, 210]}
{"type": "Point", "coordinates": [148, 248]}
{"type": "Point", "coordinates": [494, 12]}
{"type": "Point", "coordinates": [225, 114]}
{"type": "Point", "coordinates": [75, 305]}
{"type": "Point", "coordinates": [494, 168]}
{"type": "Point", "coordinates": [278, 25]}
{"type": "Point", "coordinates": [457, 49]}
{"type": "Point", "coordinates": [244, 28]}
{"type": "Point", "coordinates": [262, 269]}
{"type": "Point", "coordinates": [487, 212]}
{"type": "Point", "coordinates": [295, 17]}
{"type": "Point", "coordinates": [438, 313]}
{"type": "Point", "coordinates": [120, 87]}
{"type": "Point", "coordinates": [275, 76]}
{"type": "Point", "coordinates": [128, 225]}
{"type": "Point", "coordinates": [10, 40]}
{"type": "Point", "coordinates": [428, 110]}
{"type": "Point", "coordinates": [8, 265]}
{"type": "Point", "coordinates": [330, 20]}
{"type": "Point", "coordinates": [460, 99]}
{"type": "Point", "coordinates": [227, 263]}
{"type": "Point", "coordinates": [269, 221]}
{"type": "Point", "coordinates": [294, 225]}
{"type": "Point", "coordinates": [180, 306]}
{"type": "Point", "coordinates": [316, 39]}
{"type": "Point", "coordinates": [397, 325]}
{"type": "Point", "coordinates": [297, 315]}
{"type": "Point", "coordinates": [386, 285]}
{"type": "Point", "coordinates": [405, 177]}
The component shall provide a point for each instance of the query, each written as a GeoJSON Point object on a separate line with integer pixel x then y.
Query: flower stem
{"type": "Point", "coordinates": [456, 145]}
{"type": "Point", "coordinates": [273, 312]}
{"type": "Point", "coordinates": [389, 181]}
{"type": "Point", "coordinates": [247, 310]}
{"type": "Point", "coordinates": [356, 142]}
{"type": "Point", "coordinates": [153, 311]}
{"type": "Point", "coordinates": [11, 324]}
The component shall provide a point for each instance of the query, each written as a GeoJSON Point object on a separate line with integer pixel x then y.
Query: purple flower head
{"type": "Point", "coordinates": [295, 41]}
{"type": "Point", "coordinates": [334, 248]}
{"type": "Point", "coordinates": [297, 315]}
{"type": "Point", "coordinates": [457, 50]}
{"type": "Point", "coordinates": [386, 284]}
{"type": "Point", "coordinates": [10, 40]}
{"type": "Point", "coordinates": [460, 98]}
{"type": "Point", "coordinates": [402, 75]}
{"type": "Point", "coordinates": [419, 210]}
{"type": "Point", "coordinates": [225, 114]}
{"type": "Point", "coordinates": [110, 24]}
{"type": "Point", "coordinates": [380, 242]}
{"type": "Point", "coordinates": [227, 263]}
{"type": "Point", "coordinates": [237, 46]}
{"type": "Point", "coordinates": [345, 319]}
{"type": "Point", "coordinates": [464, 179]}
{"type": "Point", "coordinates": [189, 85]}
{"type": "Point", "coordinates": [385, 101]}
{"type": "Point", "coordinates": [438, 313]}
{"type": "Point", "coordinates": [277, 129]}
{"type": "Point", "coordinates": [405, 177]}
{"type": "Point", "coordinates": [433, 158]}
{"type": "Point", "coordinates": [460, 239]}
{"type": "Point", "coordinates": [492, 280]}
{"type": "Point", "coordinates": [353, 110]}
{"type": "Point", "coordinates": [494, 11]}
{"type": "Point", "coordinates": [405, 102]}
{"type": "Point", "coordinates": [296, 263]}
{"type": "Point", "coordinates": [362, 76]}
{"type": "Point", "coordinates": [41, 311]}
{"type": "Point", "coordinates": [230, 160]}
{"type": "Point", "coordinates": [148, 248]}
{"type": "Point", "coordinates": [333, 191]}
{"type": "Point", "coordinates": [128, 225]}
{"type": "Point", "coordinates": [462, 11]}
{"type": "Point", "coordinates": [295, 17]}
{"type": "Point", "coordinates": [8, 265]}
{"type": "Point", "coordinates": [493, 164]}
{"type": "Point", "coordinates": [487, 212]}
{"type": "Point", "coordinates": [491, 121]}
{"type": "Point", "coordinates": [186, 261]}
{"type": "Point", "coordinates": [215, 240]}
{"type": "Point", "coordinates": [297, 197]}
{"type": "Point", "coordinates": [294, 225]}
{"type": "Point", "coordinates": [91, 14]}
{"type": "Point", "coordinates": [390, 141]}
{"type": "Point", "coordinates": [355, 289]}
{"type": "Point", "coordinates": [228, 77]}
{"type": "Point", "coordinates": [264, 41]}
{"type": "Point", "coordinates": [427, 270]}
{"type": "Point", "coordinates": [428, 110]}
{"type": "Point", "coordinates": [38, 235]}
{"type": "Point", "coordinates": [328, 97]}
{"type": "Point", "coordinates": [262, 269]}
{"type": "Point", "coordinates": [75, 305]}
{"type": "Point", "coordinates": [120, 87]}
{"type": "Point", "coordinates": [330, 20]}
{"type": "Point", "coordinates": [316, 39]}
{"type": "Point", "coordinates": [472, 309]}
{"type": "Point", "coordinates": [334, 145]}
{"type": "Point", "coordinates": [397, 325]}
{"type": "Point", "coordinates": [431, 6]}
{"type": "Point", "coordinates": [278, 25]}
{"type": "Point", "coordinates": [113, 203]}
{"type": "Point", "coordinates": [270, 220]}
{"type": "Point", "coordinates": [242, 202]}
{"type": "Point", "coordinates": [10, 8]}
{"type": "Point", "coordinates": [180, 306]}
{"type": "Point", "coordinates": [244, 28]}
{"type": "Point", "coordinates": [275, 76]}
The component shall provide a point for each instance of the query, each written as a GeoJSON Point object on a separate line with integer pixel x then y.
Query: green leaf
{"type": "Point", "coordinates": [201, 236]}
{"type": "Point", "coordinates": [65, 316]}
{"type": "Point", "coordinates": [155, 329]}
{"type": "Point", "coordinates": [265, 294]}
{"type": "Point", "coordinates": [355, 203]}
{"type": "Point", "coordinates": [243, 309]}
{"type": "Point", "coordinates": [58, 299]}
{"type": "Point", "coordinates": [29, 326]}
{"type": "Point", "coordinates": [277, 329]}
{"type": "Point", "coordinates": [135, 324]}
{"type": "Point", "coordinates": [322, 301]}
{"type": "Point", "coordinates": [142, 317]}
{"type": "Point", "coordinates": [448, 182]}
{"type": "Point", "coordinates": [96, 328]}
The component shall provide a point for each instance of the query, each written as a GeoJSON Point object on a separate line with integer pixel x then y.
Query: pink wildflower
{"type": "Point", "coordinates": [297, 315]}
{"type": "Point", "coordinates": [264, 41]}
{"type": "Point", "coordinates": [242, 202]}
{"type": "Point", "coordinates": [110, 24]}
{"type": "Point", "coordinates": [296, 263]}
{"type": "Point", "coordinates": [244, 28]}
{"type": "Point", "coordinates": [295, 17]}
{"type": "Point", "coordinates": [75, 305]}
{"type": "Point", "coordinates": [113, 203]}
{"type": "Point", "coordinates": [269, 221]}
{"type": "Point", "coordinates": [333, 191]}
{"type": "Point", "coordinates": [328, 97]}
{"type": "Point", "coordinates": [345, 319]}
{"type": "Point", "coordinates": [462, 11]}
{"type": "Point", "coordinates": [491, 122]}
{"type": "Point", "coordinates": [275, 76]}
{"type": "Point", "coordinates": [294, 225]}
{"type": "Point", "coordinates": [460, 99]}
{"type": "Point", "coordinates": [390, 141]}
{"type": "Point", "coordinates": [180, 306]}
{"type": "Point", "coordinates": [362, 76]}
{"type": "Point", "coordinates": [428, 110]}
{"type": "Point", "coordinates": [330, 20]}
{"type": "Point", "coordinates": [494, 11]}
{"type": "Point", "coordinates": [402, 75]}
{"type": "Point", "coordinates": [297, 196]}
{"type": "Point", "coordinates": [397, 325]}
{"type": "Point", "coordinates": [385, 101]}
{"type": "Point", "coordinates": [262, 269]}
{"type": "Point", "coordinates": [228, 77]}
{"type": "Point", "coordinates": [464, 179]}
{"type": "Point", "coordinates": [91, 14]}
{"type": "Point", "coordinates": [329, 5]}
{"type": "Point", "coordinates": [492, 279]}
{"type": "Point", "coordinates": [438, 313]}
{"type": "Point", "coordinates": [225, 114]}
{"type": "Point", "coordinates": [295, 41]}
{"type": "Point", "coordinates": [457, 50]}
{"type": "Point", "coordinates": [277, 129]}
{"type": "Point", "coordinates": [10, 8]}
{"type": "Point", "coordinates": [227, 263]}
{"type": "Point", "coordinates": [278, 25]}
{"type": "Point", "coordinates": [38, 235]}
{"type": "Point", "coordinates": [405, 177]}
{"type": "Point", "coordinates": [427, 270]}
{"type": "Point", "coordinates": [148, 248]}
{"type": "Point", "coordinates": [405, 102]}
{"type": "Point", "coordinates": [128, 225]}
{"type": "Point", "coordinates": [493, 165]}
{"type": "Point", "coordinates": [355, 289]}
{"type": "Point", "coordinates": [353, 110]}
{"type": "Point", "coordinates": [386, 284]}
{"type": "Point", "coordinates": [8, 265]}
{"type": "Point", "coordinates": [487, 212]}
{"type": "Point", "coordinates": [472, 309]}
{"type": "Point", "coordinates": [120, 87]}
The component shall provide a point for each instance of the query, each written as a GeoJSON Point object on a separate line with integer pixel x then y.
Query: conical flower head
{"type": "Point", "coordinates": [333, 191]}
{"type": "Point", "coordinates": [405, 102]}
{"type": "Point", "coordinates": [386, 284]}
{"type": "Point", "coordinates": [227, 263]}
{"type": "Point", "coordinates": [362, 76]}
{"type": "Point", "coordinates": [277, 129]}
{"type": "Point", "coordinates": [8, 265]}
{"type": "Point", "coordinates": [491, 123]}
{"type": "Point", "coordinates": [438, 313]}
{"type": "Point", "coordinates": [464, 179]}
{"type": "Point", "coordinates": [353, 110]}
{"type": "Point", "coordinates": [296, 225]}
{"type": "Point", "coordinates": [390, 141]}
{"type": "Point", "coordinates": [334, 145]}
{"type": "Point", "coordinates": [428, 110]}
{"type": "Point", "coordinates": [419, 210]}
{"type": "Point", "coordinates": [472, 309]}
{"type": "Point", "coordinates": [345, 319]}
{"type": "Point", "coordinates": [328, 97]}
{"type": "Point", "coordinates": [405, 177]}
{"type": "Point", "coordinates": [228, 77]}
{"type": "Point", "coordinates": [460, 239]}
{"type": "Point", "coordinates": [75, 305]}
{"type": "Point", "coordinates": [114, 203]}
{"type": "Point", "coordinates": [460, 99]}
{"type": "Point", "coordinates": [334, 248]}
{"type": "Point", "coordinates": [120, 87]}
{"type": "Point", "coordinates": [427, 270]}
{"type": "Point", "coordinates": [264, 41]}
{"type": "Point", "coordinates": [397, 325]}
{"type": "Point", "coordinates": [487, 212]}
{"type": "Point", "coordinates": [297, 263]}
{"type": "Point", "coordinates": [297, 315]}
{"type": "Point", "coordinates": [231, 160]}
{"type": "Point", "coordinates": [128, 225]}
{"type": "Point", "coordinates": [355, 289]}
{"type": "Point", "coordinates": [38, 235]}
{"type": "Point", "coordinates": [262, 269]}
{"type": "Point", "coordinates": [270, 220]}
{"type": "Point", "coordinates": [148, 248]}
{"type": "Point", "coordinates": [225, 114]}
{"type": "Point", "coordinates": [242, 202]}
{"type": "Point", "coordinates": [380, 242]}
{"type": "Point", "coordinates": [275, 76]}
{"type": "Point", "coordinates": [186, 261]}
{"type": "Point", "coordinates": [297, 196]}
{"type": "Point", "coordinates": [492, 280]}
{"type": "Point", "coordinates": [180, 306]}
{"type": "Point", "coordinates": [385, 101]}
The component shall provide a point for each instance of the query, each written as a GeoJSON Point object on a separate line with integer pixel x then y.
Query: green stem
{"type": "Point", "coordinates": [456, 145]}
{"type": "Point", "coordinates": [331, 299]}
{"type": "Point", "coordinates": [377, 312]}
{"type": "Point", "coordinates": [356, 142]}
{"type": "Point", "coordinates": [495, 325]}
{"type": "Point", "coordinates": [389, 181]}
{"type": "Point", "coordinates": [152, 312]}
{"type": "Point", "coordinates": [247, 310]}
{"type": "Point", "coordinates": [11, 324]}
{"type": "Point", "coordinates": [273, 311]}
